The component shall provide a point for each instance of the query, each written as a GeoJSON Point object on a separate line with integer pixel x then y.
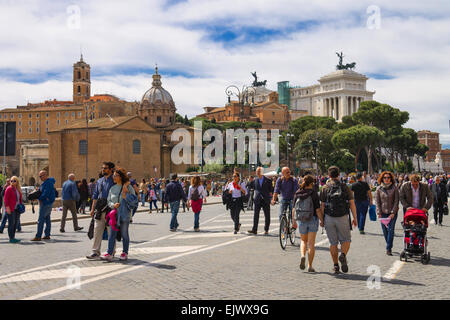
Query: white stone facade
{"type": "Point", "coordinates": [338, 94]}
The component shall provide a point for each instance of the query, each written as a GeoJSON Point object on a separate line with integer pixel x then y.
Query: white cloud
{"type": "Point", "coordinates": [413, 46]}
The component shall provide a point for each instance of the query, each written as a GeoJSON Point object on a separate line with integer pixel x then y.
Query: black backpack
{"type": "Point", "coordinates": [195, 195]}
{"type": "Point", "coordinates": [336, 204]}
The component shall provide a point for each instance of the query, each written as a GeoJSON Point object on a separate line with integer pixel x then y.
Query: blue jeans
{"type": "Point", "coordinates": [13, 219]}
{"type": "Point", "coordinates": [197, 220]}
{"type": "Point", "coordinates": [125, 237]}
{"type": "Point", "coordinates": [44, 217]}
{"type": "Point", "coordinates": [154, 203]}
{"type": "Point", "coordinates": [361, 213]}
{"type": "Point", "coordinates": [143, 199]}
{"type": "Point", "coordinates": [174, 207]}
{"type": "Point", "coordinates": [389, 232]}
{"type": "Point", "coordinates": [283, 205]}
{"type": "Point", "coordinates": [5, 218]}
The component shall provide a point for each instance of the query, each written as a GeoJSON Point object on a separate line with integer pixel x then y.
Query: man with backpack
{"type": "Point", "coordinates": [336, 200]}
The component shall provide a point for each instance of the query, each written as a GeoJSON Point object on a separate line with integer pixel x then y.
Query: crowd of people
{"type": "Point", "coordinates": [336, 202]}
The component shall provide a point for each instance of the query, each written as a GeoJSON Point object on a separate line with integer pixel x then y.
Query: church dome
{"type": "Point", "coordinates": [157, 95]}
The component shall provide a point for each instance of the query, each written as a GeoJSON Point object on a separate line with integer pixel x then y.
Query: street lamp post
{"type": "Point", "coordinates": [288, 135]}
{"type": "Point", "coordinates": [243, 98]}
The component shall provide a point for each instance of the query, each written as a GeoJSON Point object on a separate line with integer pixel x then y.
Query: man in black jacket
{"type": "Point", "coordinates": [262, 196]}
{"type": "Point", "coordinates": [439, 191]}
{"type": "Point", "coordinates": [174, 194]}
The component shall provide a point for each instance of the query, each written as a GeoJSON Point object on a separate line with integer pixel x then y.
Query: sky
{"type": "Point", "coordinates": [202, 46]}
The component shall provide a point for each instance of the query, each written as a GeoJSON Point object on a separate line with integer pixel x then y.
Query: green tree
{"type": "Point", "coordinates": [356, 138]}
{"type": "Point", "coordinates": [304, 149]}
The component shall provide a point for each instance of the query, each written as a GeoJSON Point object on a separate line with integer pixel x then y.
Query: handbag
{"type": "Point", "coordinates": [372, 213]}
{"type": "Point", "coordinates": [445, 210]}
{"type": "Point", "coordinates": [36, 194]}
{"type": "Point", "coordinates": [20, 208]}
{"type": "Point", "coordinates": [91, 229]}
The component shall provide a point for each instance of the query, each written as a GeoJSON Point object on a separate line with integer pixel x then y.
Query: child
{"type": "Point", "coordinates": [152, 197]}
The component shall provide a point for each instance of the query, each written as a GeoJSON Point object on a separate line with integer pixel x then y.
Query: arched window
{"type": "Point", "coordinates": [79, 89]}
{"type": "Point", "coordinates": [136, 146]}
{"type": "Point", "coordinates": [82, 147]}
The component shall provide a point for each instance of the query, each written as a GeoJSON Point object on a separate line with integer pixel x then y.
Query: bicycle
{"type": "Point", "coordinates": [286, 230]}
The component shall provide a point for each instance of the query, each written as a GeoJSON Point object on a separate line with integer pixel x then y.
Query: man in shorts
{"type": "Point", "coordinates": [336, 200]}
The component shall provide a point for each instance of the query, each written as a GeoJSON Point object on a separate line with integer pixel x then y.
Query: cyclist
{"type": "Point", "coordinates": [287, 186]}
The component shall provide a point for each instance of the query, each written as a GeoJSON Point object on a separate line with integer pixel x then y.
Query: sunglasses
{"type": "Point", "coordinates": [386, 177]}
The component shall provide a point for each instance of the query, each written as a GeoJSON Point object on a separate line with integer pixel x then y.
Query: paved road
{"type": "Point", "coordinates": [216, 264]}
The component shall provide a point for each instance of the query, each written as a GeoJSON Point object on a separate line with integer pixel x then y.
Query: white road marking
{"type": "Point", "coordinates": [92, 271]}
{"type": "Point", "coordinates": [231, 227]}
{"type": "Point", "coordinates": [112, 274]}
{"type": "Point", "coordinates": [62, 273]}
{"type": "Point", "coordinates": [394, 270]}
{"type": "Point", "coordinates": [208, 235]}
{"type": "Point", "coordinates": [246, 219]}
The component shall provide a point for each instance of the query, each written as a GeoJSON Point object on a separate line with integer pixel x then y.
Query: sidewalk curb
{"type": "Point", "coordinates": [88, 216]}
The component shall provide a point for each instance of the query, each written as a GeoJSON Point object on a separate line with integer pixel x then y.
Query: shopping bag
{"type": "Point", "coordinates": [372, 213]}
{"type": "Point", "coordinates": [385, 221]}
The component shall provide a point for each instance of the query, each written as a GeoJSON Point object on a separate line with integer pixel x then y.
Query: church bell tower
{"type": "Point", "coordinates": [81, 81]}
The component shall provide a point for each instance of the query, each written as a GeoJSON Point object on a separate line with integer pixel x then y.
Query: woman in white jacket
{"type": "Point", "coordinates": [196, 197]}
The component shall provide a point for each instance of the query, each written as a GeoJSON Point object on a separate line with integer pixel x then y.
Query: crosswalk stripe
{"type": "Point", "coordinates": [231, 226]}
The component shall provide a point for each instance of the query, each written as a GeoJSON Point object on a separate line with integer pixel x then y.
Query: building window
{"type": "Point", "coordinates": [46, 129]}
{"type": "Point", "coordinates": [158, 119]}
{"type": "Point", "coordinates": [20, 123]}
{"type": "Point", "coordinates": [66, 114]}
{"type": "Point", "coordinates": [30, 115]}
{"type": "Point", "coordinates": [37, 115]}
{"type": "Point", "coordinates": [11, 116]}
{"type": "Point", "coordinates": [136, 146]}
{"type": "Point", "coordinates": [73, 114]}
{"type": "Point", "coordinates": [30, 123]}
{"type": "Point", "coordinates": [80, 114]}
{"type": "Point", "coordinates": [20, 130]}
{"type": "Point", "coordinates": [46, 122]}
{"type": "Point", "coordinates": [30, 130]}
{"type": "Point", "coordinates": [37, 129]}
{"type": "Point", "coordinates": [79, 75]}
{"type": "Point", "coordinates": [37, 123]}
{"type": "Point", "coordinates": [57, 122]}
{"type": "Point", "coordinates": [20, 116]}
{"type": "Point", "coordinates": [273, 113]}
{"type": "Point", "coordinates": [46, 115]}
{"type": "Point", "coordinates": [82, 147]}
{"type": "Point", "coordinates": [79, 89]}
{"type": "Point", "coordinates": [67, 121]}
{"type": "Point", "coordinates": [57, 115]}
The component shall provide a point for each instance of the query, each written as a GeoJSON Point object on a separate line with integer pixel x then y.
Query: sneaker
{"type": "Point", "coordinates": [123, 256]}
{"type": "Point", "coordinates": [197, 229]}
{"type": "Point", "coordinates": [266, 233]}
{"type": "Point", "coordinates": [46, 238]}
{"type": "Point", "coordinates": [252, 232]}
{"type": "Point", "coordinates": [61, 230]}
{"type": "Point", "coordinates": [361, 232]}
{"type": "Point", "coordinates": [107, 257]}
{"type": "Point", "coordinates": [336, 269]}
{"type": "Point", "coordinates": [302, 263]}
{"type": "Point", "coordinates": [389, 252]}
{"type": "Point", "coordinates": [343, 261]}
{"type": "Point", "coordinates": [14, 241]}
{"type": "Point", "coordinates": [173, 230]}
{"type": "Point", "coordinates": [235, 231]}
{"type": "Point", "coordinates": [36, 239]}
{"type": "Point", "coordinates": [93, 256]}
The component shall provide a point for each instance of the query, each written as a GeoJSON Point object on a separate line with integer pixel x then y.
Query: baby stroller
{"type": "Point", "coordinates": [415, 225]}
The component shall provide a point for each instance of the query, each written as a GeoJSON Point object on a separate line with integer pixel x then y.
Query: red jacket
{"type": "Point", "coordinates": [11, 198]}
